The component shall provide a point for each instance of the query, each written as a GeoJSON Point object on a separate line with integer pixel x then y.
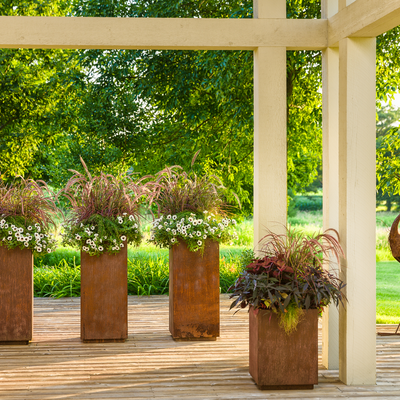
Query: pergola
{"type": "Point", "coordinates": [346, 35]}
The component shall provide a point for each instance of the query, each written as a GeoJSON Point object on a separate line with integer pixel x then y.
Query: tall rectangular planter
{"type": "Point", "coordinates": [16, 296]}
{"type": "Point", "coordinates": [104, 297]}
{"type": "Point", "coordinates": [194, 292]}
{"type": "Point", "coordinates": [280, 361]}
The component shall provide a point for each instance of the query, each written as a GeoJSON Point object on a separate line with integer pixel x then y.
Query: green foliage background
{"type": "Point", "coordinates": [142, 110]}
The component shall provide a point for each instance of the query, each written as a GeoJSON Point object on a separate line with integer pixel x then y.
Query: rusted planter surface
{"type": "Point", "coordinates": [280, 361]}
{"type": "Point", "coordinates": [194, 292]}
{"type": "Point", "coordinates": [394, 239]}
{"type": "Point", "coordinates": [104, 297]}
{"type": "Point", "coordinates": [16, 295]}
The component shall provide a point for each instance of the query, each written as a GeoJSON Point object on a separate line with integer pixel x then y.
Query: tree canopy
{"type": "Point", "coordinates": [142, 110]}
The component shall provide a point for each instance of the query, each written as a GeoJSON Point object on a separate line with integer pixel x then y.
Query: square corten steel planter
{"type": "Point", "coordinates": [104, 297]}
{"type": "Point", "coordinates": [280, 361]}
{"type": "Point", "coordinates": [194, 292]}
{"type": "Point", "coordinates": [16, 296]}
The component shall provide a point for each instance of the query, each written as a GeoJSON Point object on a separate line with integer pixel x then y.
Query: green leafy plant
{"type": "Point", "coordinates": [190, 209]}
{"type": "Point", "coordinates": [105, 212]}
{"type": "Point", "coordinates": [27, 212]}
{"type": "Point", "coordinates": [290, 276]}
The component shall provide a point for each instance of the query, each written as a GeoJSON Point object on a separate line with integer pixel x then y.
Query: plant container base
{"type": "Point", "coordinates": [278, 361]}
{"type": "Point", "coordinates": [194, 292]}
{"type": "Point", "coordinates": [104, 297]}
{"type": "Point", "coordinates": [16, 296]}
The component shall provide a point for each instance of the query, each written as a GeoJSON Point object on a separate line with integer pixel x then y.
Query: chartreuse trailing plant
{"type": "Point", "coordinates": [105, 212]}
{"type": "Point", "coordinates": [190, 209]}
{"type": "Point", "coordinates": [290, 276]}
{"type": "Point", "coordinates": [27, 212]}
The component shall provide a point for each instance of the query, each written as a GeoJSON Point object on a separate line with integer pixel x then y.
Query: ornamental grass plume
{"type": "Point", "coordinates": [105, 195]}
{"type": "Point", "coordinates": [105, 213]}
{"type": "Point", "coordinates": [191, 209]}
{"type": "Point", "coordinates": [30, 200]}
{"type": "Point", "coordinates": [174, 191]}
{"type": "Point", "coordinates": [27, 215]}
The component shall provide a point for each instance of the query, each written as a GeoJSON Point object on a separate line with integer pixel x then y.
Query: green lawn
{"type": "Point", "coordinates": [388, 292]}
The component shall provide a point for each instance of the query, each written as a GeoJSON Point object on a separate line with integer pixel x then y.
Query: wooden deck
{"type": "Point", "coordinates": [151, 365]}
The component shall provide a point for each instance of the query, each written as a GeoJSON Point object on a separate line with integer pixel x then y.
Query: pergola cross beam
{"type": "Point", "coordinates": [161, 33]}
{"type": "Point", "coordinates": [363, 19]}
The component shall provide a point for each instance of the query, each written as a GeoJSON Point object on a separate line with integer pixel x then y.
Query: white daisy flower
{"type": "Point", "coordinates": [29, 228]}
{"type": "Point", "coordinates": [198, 233]}
{"type": "Point", "coordinates": [199, 242]}
{"type": "Point", "coordinates": [173, 240]}
{"type": "Point", "coordinates": [101, 248]}
{"type": "Point", "coordinates": [122, 245]}
{"type": "Point", "coordinates": [204, 237]}
{"type": "Point", "coordinates": [174, 217]}
{"type": "Point", "coordinates": [123, 238]}
{"type": "Point", "coordinates": [168, 217]}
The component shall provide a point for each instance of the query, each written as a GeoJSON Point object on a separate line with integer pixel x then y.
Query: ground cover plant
{"type": "Point", "coordinates": [148, 274]}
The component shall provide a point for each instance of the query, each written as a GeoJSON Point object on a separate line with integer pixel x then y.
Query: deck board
{"type": "Point", "coordinates": [57, 365]}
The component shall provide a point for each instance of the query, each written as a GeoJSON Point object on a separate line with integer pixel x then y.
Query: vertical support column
{"type": "Point", "coordinates": [270, 165]}
{"type": "Point", "coordinates": [357, 343]}
{"type": "Point", "coordinates": [330, 173]}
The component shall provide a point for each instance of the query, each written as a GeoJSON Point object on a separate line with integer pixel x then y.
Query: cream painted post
{"type": "Point", "coordinates": [330, 172]}
{"type": "Point", "coordinates": [357, 336]}
{"type": "Point", "coordinates": [270, 166]}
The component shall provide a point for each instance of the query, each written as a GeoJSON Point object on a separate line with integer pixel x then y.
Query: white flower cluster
{"type": "Point", "coordinates": [93, 242]}
{"type": "Point", "coordinates": [31, 237]}
{"type": "Point", "coordinates": [190, 228]}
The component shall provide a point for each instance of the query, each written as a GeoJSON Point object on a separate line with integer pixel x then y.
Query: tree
{"type": "Point", "coordinates": [145, 109]}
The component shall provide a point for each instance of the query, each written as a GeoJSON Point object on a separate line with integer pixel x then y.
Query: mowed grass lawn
{"type": "Point", "coordinates": [388, 292]}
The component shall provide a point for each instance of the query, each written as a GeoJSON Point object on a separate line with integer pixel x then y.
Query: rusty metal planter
{"type": "Point", "coordinates": [16, 295]}
{"type": "Point", "coordinates": [280, 361]}
{"type": "Point", "coordinates": [194, 292]}
{"type": "Point", "coordinates": [104, 297]}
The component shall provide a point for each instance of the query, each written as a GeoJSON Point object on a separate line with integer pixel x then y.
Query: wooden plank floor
{"type": "Point", "coordinates": [56, 365]}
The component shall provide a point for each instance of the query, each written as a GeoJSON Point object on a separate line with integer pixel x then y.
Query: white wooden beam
{"type": "Point", "coordinates": [363, 18]}
{"type": "Point", "coordinates": [270, 165]}
{"type": "Point", "coordinates": [161, 33]}
{"type": "Point", "coordinates": [357, 336]}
